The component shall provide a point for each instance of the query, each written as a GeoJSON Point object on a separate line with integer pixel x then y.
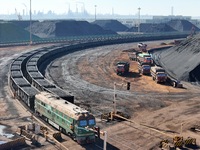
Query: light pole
{"type": "Point", "coordinates": [139, 19]}
{"type": "Point", "coordinates": [30, 25]}
{"type": "Point", "coordinates": [95, 6]}
{"type": "Point", "coordinates": [26, 9]}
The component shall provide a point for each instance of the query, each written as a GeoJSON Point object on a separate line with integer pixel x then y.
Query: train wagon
{"type": "Point", "coordinates": [66, 117]}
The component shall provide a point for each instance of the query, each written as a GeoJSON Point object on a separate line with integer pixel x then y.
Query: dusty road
{"type": "Point", "coordinates": [90, 75]}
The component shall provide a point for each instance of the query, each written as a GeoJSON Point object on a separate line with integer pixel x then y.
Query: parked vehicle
{"type": "Point", "coordinates": [144, 58]}
{"type": "Point", "coordinates": [142, 47]}
{"type": "Point", "coordinates": [158, 74]}
{"type": "Point", "coordinates": [122, 68]}
{"type": "Point", "coordinates": [144, 68]}
{"type": "Point", "coordinates": [133, 55]}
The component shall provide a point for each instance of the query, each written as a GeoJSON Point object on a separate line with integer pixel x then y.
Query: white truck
{"type": "Point", "coordinates": [158, 74]}
{"type": "Point", "coordinates": [142, 47]}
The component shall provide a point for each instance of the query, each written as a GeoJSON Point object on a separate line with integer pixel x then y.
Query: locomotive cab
{"type": "Point", "coordinates": [84, 123]}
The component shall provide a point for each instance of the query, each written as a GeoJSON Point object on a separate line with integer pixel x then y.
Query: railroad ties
{"type": "Point", "coordinates": [32, 132]}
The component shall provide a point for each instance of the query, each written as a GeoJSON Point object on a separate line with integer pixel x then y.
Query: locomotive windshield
{"type": "Point", "coordinates": [83, 123]}
{"type": "Point", "coordinates": [91, 122]}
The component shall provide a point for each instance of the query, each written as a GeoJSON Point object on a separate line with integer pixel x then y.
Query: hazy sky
{"type": "Point", "coordinates": [123, 7]}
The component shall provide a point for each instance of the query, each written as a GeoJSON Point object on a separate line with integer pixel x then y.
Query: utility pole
{"type": "Point", "coordinates": [114, 98]}
{"type": "Point", "coordinates": [95, 17]}
{"type": "Point", "coordinates": [139, 19]}
{"type": "Point", "coordinates": [30, 25]}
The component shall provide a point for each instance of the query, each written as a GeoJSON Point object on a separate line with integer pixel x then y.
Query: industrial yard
{"type": "Point", "coordinates": [157, 111]}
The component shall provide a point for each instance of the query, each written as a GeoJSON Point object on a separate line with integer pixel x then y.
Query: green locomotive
{"type": "Point", "coordinates": [66, 117]}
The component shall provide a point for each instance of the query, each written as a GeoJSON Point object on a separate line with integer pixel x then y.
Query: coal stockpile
{"type": "Point", "coordinates": [152, 28]}
{"type": "Point", "coordinates": [113, 25]}
{"type": "Point", "coordinates": [50, 29]}
{"type": "Point", "coordinates": [182, 25]}
{"type": "Point", "coordinates": [10, 32]}
{"type": "Point", "coordinates": [23, 23]}
{"type": "Point", "coordinates": [182, 61]}
{"type": "Point", "coordinates": [45, 29]}
{"type": "Point", "coordinates": [76, 28]}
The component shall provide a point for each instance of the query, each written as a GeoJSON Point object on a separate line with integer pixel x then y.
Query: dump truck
{"type": "Point", "coordinates": [158, 74]}
{"type": "Point", "coordinates": [144, 68]}
{"type": "Point", "coordinates": [133, 55]}
{"type": "Point", "coordinates": [144, 58]}
{"type": "Point", "coordinates": [122, 68]}
{"type": "Point", "coordinates": [142, 47]}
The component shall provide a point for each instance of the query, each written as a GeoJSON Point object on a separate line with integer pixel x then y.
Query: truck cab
{"type": "Point", "coordinates": [158, 74]}
{"type": "Point", "coordinates": [122, 68]}
{"type": "Point", "coordinates": [161, 77]}
{"type": "Point", "coordinates": [144, 68]}
{"type": "Point", "coordinates": [142, 47]}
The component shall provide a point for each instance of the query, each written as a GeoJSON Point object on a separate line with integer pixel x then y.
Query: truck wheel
{"type": "Point", "coordinates": [174, 84]}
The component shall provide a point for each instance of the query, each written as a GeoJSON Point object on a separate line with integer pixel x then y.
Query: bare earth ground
{"type": "Point", "coordinates": [90, 75]}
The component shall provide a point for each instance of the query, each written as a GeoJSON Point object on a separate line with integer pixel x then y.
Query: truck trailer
{"type": "Point", "coordinates": [144, 58]}
{"type": "Point", "coordinates": [144, 68]}
{"type": "Point", "coordinates": [158, 74]}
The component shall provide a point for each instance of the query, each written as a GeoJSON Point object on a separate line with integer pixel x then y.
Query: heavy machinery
{"type": "Point", "coordinates": [122, 68]}
{"type": "Point", "coordinates": [144, 58]}
{"type": "Point", "coordinates": [158, 74]}
{"type": "Point", "coordinates": [142, 47]}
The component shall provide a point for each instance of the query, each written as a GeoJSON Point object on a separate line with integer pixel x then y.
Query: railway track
{"type": "Point", "coordinates": [25, 74]}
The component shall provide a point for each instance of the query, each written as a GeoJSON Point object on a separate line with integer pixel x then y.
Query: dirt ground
{"type": "Point", "coordinates": [90, 75]}
{"type": "Point", "coordinates": [161, 107]}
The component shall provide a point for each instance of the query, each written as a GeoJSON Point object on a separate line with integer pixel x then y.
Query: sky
{"type": "Point", "coordinates": [122, 7]}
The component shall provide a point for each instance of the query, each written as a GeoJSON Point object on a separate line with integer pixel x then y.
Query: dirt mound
{"type": "Point", "coordinates": [10, 32]}
{"type": "Point", "coordinates": [182, 61]}
{"type": "Point", "coordinates": [182, 25]}
{"type": "Point", "coordinates": [48, 29]}
{"type": "Point", "coordinates": [152, 28]}
{"type": "Point", "coordinates": [113, 25]}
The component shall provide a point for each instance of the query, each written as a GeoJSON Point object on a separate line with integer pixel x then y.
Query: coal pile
{"type": "Point", "coordinates": [182, 61]}
{"type": "Point", "coordinates": [72, 28]}
{"type": "Point", "coordinates": [45, 29]}
{"type": "Point", "coordinates": [152, 28]}
{"type": "Point", "coordinates": [48, 29]}
{"type": "Point", "coordinates": [23, 23]}
{"type": "Point", "coordinates": [182, 25]}
{"type": "Point", "coordinates": [113, 25]}
{"type": "Point", "coordinates": [10, 32]}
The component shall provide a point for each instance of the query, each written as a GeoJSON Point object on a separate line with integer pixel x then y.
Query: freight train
{"type": "Point", "coordinates": [53, 104]}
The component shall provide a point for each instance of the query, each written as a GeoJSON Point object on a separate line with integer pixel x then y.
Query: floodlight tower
{"type": "Point", "coordinates": [95, 15]}
{"type": "Point", "coordinates": [139, 19]}
{"type": "Point", "coordinates": [30, 25]}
